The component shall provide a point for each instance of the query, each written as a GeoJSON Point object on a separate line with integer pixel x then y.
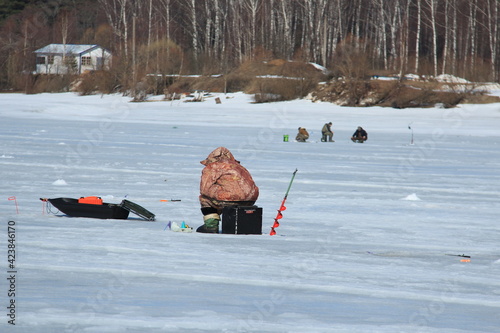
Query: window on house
{"type": "Point", "coordinates": [40, 60]}
{"type": "Point", "coordinates": [86, 61]}
{"type": "Point", "coordinates": [50, 59]}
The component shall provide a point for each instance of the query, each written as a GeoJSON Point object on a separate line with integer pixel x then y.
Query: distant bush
{"type": "Point", "coordinates": [95, 82]}
{"type": "Point", "coordinates": [280, 89]}
{"type": "Point", "coordinates": [41, 83]}
{"type": "Point", "coordinates": [346, 93]}
{"type": "Point", "coordinates": [425, 94]}
{"type": "Point", "coordinates": [237, 82]}
{"type": "Point", "coordinates": [182, 84]}
{"type": "Point", "coordinates": [277, 80]}
{"type": "Point", "coordinates": [398, 94]}
{"type": "Point", "coordinates": [266, 98]}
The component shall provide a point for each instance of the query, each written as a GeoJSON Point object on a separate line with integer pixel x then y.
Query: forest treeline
{"type": "Point", "coordinates": [425, 37]}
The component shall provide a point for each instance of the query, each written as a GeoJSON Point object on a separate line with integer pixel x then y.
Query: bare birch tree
{"type": "Point", "coordinates": [418, 35]}
{"type": "Point", "coordinates": [432, 5]}
{"type": "Point", "coordinates": [446, 35]}
{"type": "Point", "coordinates": [382, 35]}
{"type": "Point", "coordinates": [116, 14]}
{"type": "Point", "coordinates": [190, 16]}
{"type": "Point", "coordinates": [285, 20]}
{"type": "Point", "coordinates": [493, 22]}
{"type": "Point", "coordinates": [251, 9]}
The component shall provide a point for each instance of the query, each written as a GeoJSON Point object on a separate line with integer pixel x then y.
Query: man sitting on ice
{"type": "Point", "coordinates": [360, 135]}
{"type": "Point", "coordinates": [224, 182]}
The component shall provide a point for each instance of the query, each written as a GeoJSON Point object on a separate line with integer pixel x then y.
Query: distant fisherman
{"type": "Point", "coordinates": [326, 131]}
{"type": "Point", "coordinates": [360, 135]}
{"type": "Point", "coordinates": [303, 135]}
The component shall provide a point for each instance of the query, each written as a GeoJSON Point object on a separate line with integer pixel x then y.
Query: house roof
{"type": "Point", "coordinates": [67, 48]}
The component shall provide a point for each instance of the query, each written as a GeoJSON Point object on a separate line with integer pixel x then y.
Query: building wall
{"type": "Point", "coordinates": [53, 64]}
{"type": "Point", "coordinates": [96, 59]}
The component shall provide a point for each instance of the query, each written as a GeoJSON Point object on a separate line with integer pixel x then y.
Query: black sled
{"type": "Point", "coordinates": [94, 207]}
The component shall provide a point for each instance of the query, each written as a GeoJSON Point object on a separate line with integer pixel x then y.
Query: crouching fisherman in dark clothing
{"type": "Point", "coordinates": [360, 135]}
{"type": "Point", "coordinates": [224, 182]}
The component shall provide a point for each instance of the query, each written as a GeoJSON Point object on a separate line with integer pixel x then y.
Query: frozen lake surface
{"type": "Point", "coordinates": [368, 242]}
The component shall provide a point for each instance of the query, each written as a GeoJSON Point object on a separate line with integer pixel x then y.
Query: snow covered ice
{"type": "Point", "coordinates": [370, 241]}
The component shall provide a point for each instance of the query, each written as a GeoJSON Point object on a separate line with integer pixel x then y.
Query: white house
{"type": "Point", "coordinates": [71, 58]}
